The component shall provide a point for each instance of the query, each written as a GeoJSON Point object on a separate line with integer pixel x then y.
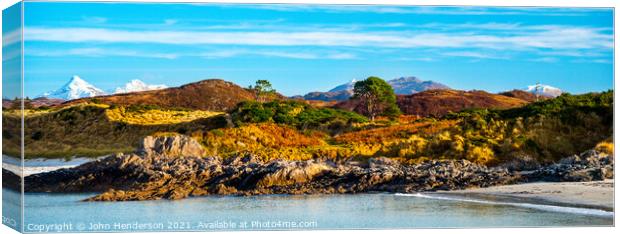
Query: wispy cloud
{"type": "Point", "coordinates": [556, 38]}
{"type": "Point", "coordinates": [97, 52]}
{"type": "Point", "coordinates": [545, 59]}
{"type": "Point", "coordinates": [11, 37]}
{"type": "Point", "coordinates": [418, 9]}
{"type": "Point", "coordinates": [212, 54]}
{"type": "Point", "coordinates": [472, 54]}
{"type": "Point", "coordinates": [602, 61]}
{"type": "Point", "coordinates": [275, 53]}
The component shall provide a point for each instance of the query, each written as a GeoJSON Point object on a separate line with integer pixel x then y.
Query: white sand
{"type": "Point", "coordinates": [595, 194]}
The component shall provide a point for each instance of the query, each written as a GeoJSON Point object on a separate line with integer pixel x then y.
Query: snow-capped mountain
{"type": "Point", "coordinates": [75, 88]}
{"type": "Point", "coordinates": [137, 86]}
{"type": "Point", "coordinates": [411, 85]}
{"type": "Point", "coordinates": [345, 87]}
{"type": "Point", "coordinates": [402, 85]}
{"type": "Point", "coordinates": [544, 90]}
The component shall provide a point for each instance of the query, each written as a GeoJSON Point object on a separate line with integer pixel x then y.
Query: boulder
{"type": "Point", "coordinates": [171, 146]}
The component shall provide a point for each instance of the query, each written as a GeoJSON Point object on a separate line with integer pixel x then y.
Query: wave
{"type": "Point", "coordinates": [26, 171]}
{"type": "Point", "coordinates": [551, 208]}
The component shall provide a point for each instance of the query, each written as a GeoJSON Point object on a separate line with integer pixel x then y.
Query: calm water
{"type": "Point", "coordinates": [50, 213]}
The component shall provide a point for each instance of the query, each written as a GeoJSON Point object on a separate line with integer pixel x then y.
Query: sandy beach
{"type": "Point", "coordinates": [594, 194]}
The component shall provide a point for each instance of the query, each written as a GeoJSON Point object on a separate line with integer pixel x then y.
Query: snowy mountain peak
{"type": "Point", "coordinates": [544, 90]}
{"type": "Point", "coordinates": [137, 86]}
{"type": "Point", "coordinates": [75, 88]}
{"type": "Point", "coordinates": [345, 87]}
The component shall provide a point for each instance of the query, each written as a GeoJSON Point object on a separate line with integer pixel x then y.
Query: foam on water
{"type": "Point", "coordinates": [552, 208]}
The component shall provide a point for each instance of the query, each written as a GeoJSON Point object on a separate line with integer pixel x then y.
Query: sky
{"type": "Point", "coordinates": [304, 48]}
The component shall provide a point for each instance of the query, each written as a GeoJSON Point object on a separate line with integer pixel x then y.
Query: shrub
{"type": "Point", "coordinates": [295, 113]}
{"type": "Point", "coordinates": [605, 147]}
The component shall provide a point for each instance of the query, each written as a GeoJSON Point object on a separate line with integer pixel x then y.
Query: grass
{"type": "Point", "coordinates": [156, 116]}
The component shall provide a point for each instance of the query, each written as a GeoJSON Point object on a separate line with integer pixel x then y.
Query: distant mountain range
{"type": "Point", "coordinates": [77, 87]}
{"type": "Point", "coordinates": [402, 85]}
{"type": "Point", "coordinates": [415, 96]}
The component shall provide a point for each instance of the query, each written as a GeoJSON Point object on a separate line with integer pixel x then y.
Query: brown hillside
{"type": "Point", "coordinates": [437, 103]}
{"type": "Point", "coordinates": [520, 94]}
{"type": "Point", "coordinates": [213, 95]}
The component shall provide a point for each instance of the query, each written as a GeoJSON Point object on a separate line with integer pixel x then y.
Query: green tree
{"type": "Point", "coordinates": [377, 97]}
{"type": "Point", "coordinates": [262, 89]}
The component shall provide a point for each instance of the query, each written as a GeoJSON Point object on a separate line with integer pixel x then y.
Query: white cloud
{"type": "Point", "coordinates": [545, 59]}
{"type": "Point", "coordinates": [472, 54]}
{"type": "Point", "coordinates": [557, 38]}
{"type": "Point", "coordinates": [418, 10]}
{"type": "Point", "coordinates": [602, 61]}
{"type": "Point", "coordinates": [273, 53]}
{"type": "Point", "coordinates": [97, 52]}
{"type": "Point", "coordinates": [11, 37]}
{"type": "Point", "coordinates": [572, 53]}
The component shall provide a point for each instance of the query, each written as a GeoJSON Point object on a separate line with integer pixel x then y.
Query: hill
{"type": "Point", "coordinates": [329, 96]}
{"type": "Point", "coordinates": [96, 129]}
{"type": "Point", "coordinates": [437, 103]}
{"type": "Point", "coordinates": [212, 95]}
{"type": "Point", "coordinates": [33, 103]}
{"type": "Point", "coordinates": [441, 102]}
{"type": "Point", "coordinates": [523, 95]}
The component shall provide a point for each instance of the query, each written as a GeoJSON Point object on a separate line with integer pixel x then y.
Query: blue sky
{"type": "Point", "coordinates": [303, 48]}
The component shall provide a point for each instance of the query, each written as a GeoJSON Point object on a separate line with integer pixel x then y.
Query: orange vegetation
{"type": "Point", "coordinates": [391, 133]}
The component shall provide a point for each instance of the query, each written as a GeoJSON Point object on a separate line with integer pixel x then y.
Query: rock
{"type": "Point", "coordinates": [382, 162]}
{"type": "Point", "coordinates": [288, 173]}
{"type": "Point", "coordinates": [521, 162]}
{"type": "Point", "coordinates": [570, 160]}
{"type": "Point", "coordinates": [588, 166]}
{"type": "Point", "coordinates": [221, 189]}
{"type": "Point", "coordinates": [172, 146]}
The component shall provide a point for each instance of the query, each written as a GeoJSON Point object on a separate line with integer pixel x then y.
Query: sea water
{"type": "Point", "coordinates": [66, 212]}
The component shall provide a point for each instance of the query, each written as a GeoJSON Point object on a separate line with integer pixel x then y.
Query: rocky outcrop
{"type": "Point", "coordinates": [588, 166]}
{"type": "Point", "coordinates": [125, 177]}
{"type": "Point", "coordinates": [171, 168]}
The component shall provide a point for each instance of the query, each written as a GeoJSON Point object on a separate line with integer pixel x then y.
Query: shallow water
{"type": "Point", "coordinates": [40, 165]}
{"type": "Point", "coordinates": [284, 212]}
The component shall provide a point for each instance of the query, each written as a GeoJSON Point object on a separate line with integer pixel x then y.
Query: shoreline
{"type": "Point", "coordinates": [592, 194]}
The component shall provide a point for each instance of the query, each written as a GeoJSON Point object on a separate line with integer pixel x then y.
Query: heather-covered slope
{"type": "Point", "coordinates": [523, 95]}
{"type": "Point", "coordinates": [437, 103]}
{"type": "Point", "coordinates": [96, 129]}
{"type": "Point", "coordinates": [440, 102]}
{"type": "Point", "coordinates": [212, 95]}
